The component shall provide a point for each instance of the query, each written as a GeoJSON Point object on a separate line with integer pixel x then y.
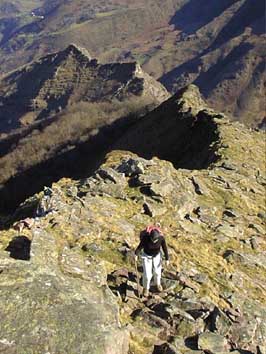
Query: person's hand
{"type": "Point", "coordinates": [167, 263]}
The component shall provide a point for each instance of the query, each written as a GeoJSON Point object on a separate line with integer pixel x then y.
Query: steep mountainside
{"type": "Point", "coordinates": [220, 46]}
{"type": "Point", "coordinates": [100, 26]}
{"type": "Point", "coordinates": [43, 88]}
{"type": "Point", "coordinates": [80, 235]}
{"type": "Point", "coordinates": [65, 100]}
{"type": "Point", "coordinates": [227, 51]}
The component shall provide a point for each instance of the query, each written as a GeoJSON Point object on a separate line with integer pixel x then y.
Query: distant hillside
{"type": "Point", "coordinates": [60, 80]}
{"type": "Point", "coordinates": [222, 50]}
{"type": "Point", "coordinates": [104, 27]}
{"type": "Point", "coordinates": [67, 100]}
{"type": "Point", "coordinates": [220, 46]}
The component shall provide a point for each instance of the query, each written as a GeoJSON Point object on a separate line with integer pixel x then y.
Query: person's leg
{"type": "Point", "coordinates": [147, 272]}
{"type": "Point", "coordinates": [157, 269]}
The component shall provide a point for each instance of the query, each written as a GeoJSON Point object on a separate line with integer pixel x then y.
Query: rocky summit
{"type": "Point", "coordinates": [68, 283]}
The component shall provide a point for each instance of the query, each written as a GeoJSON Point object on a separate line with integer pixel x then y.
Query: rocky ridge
{"type": "Point", "coordinates": [63, 108]}
{"type": "Point", "coordinates": [45, 87]}
{"type": "Point", "coordinates": [213, 215]}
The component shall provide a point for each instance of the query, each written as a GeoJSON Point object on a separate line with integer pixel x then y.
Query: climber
{"type": "Point", "coordinates": [151, 241]}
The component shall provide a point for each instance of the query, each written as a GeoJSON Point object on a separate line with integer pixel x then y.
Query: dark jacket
{"type": "Point", "coordinates": [150, 248]}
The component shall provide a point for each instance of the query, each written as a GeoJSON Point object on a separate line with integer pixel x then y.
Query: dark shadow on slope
{"type": "Point", "coordinates": [33, 27]}
{"type": "Point", "coordinates": [19, 248]}
{"type": "Point", "coordinates": [10, 142]}
{"type": "Point", "coordinates": [247, 15]}
{"type": "Point", "coordinates": [7, 29]}
{"type": "Point", "coordinates": [186, 140]}
{"type": "Point", "coordinates": [198, 13]}
{"type": "Point", "coordinates": [256, 79]}
{"type": "Point", "coordinates": [78, 162]}
{"type": "Point", "coordinates": [208, 80]}
{"type": "Point", "coordinates": [226, 67]}
{"type": "Point", "coordinates": [173, 76]}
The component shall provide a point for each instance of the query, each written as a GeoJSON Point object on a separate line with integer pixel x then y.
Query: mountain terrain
{"type": "Point", "coordinates": [219, 46]}
{"type": "Point", "coordinates": [66, 107]}
{"type": "Point", "coordinates": [66, 253]}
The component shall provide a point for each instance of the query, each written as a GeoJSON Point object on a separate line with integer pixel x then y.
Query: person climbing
{"type": "Point", "coordinates": [151, 241]}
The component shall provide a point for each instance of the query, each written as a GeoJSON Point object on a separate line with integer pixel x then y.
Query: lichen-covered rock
{"type": "Point", "coordinates": [56, 307]}
{"type": "Point", "coordinates": [212, 342]}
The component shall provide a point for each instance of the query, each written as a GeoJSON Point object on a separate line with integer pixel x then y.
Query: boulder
{"type": "Point", "coordinates": [132, 167]}
{"type": "Point", "coordinates": [212, 342]}
{"type": "Point", "coordinates": [111, 175]}
{"type": "Point", "coordinates": [153, 209]}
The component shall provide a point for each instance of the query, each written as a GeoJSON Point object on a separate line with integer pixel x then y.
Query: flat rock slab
{"type": "Point", "coordinates": [212, 342]}
{"type": "Point", "coordinates": [46, 309]}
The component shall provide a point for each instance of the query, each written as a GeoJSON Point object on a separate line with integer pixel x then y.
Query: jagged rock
{"type": "Point", "coordinates": [230, 213]}
{"type": "Point", "coordinates": [121, 273]}
{"type": "Point", "coordinates": [260, 229]}
{"type": "Point", "coordinates": [201, 278]}
{"type": "Point", "coordinates": [178, 343]}
{"type": "Point", "coordinates": [231, 256]}
{"type": "Point", "coordinates": [254, 243]}
{"type": "Point", "coordinates": [20, 225]}
{"type": "Point", "coordinates": [212, 342]}
{"type": "Point", "coordinates": [153, 209]}
{"type": "Point", "coordinates": [247, 259]}
{"type": "Point", "coordinates": [262, 215]}
{"type": "Point", "coordinates": [207, 215]}
{"type": "Point", "coordinates": [199, 186]}
{"type": "Point", "coordinates": [111, 175]}
{"type": "Point", "coordinates": [155, 185]}
{"type": "Point", "coordinates": [174, 310]}
{"type": "Point", "coordinates": [188, 294]}
{"type": "Point", "coordinates": [228, 166]}
{"type": "Point", "coordinates": [72, 191]}
{"type": "Point", "coordinates": [218, 321]}
{"type": "Point", "coordinates": [165, 348]}
{"type": "Point", "coordinates": [249, 331]}
{"type": "Point", "coordinates": [230, 230]}
{"type": "Point", "coordinates": [131, 167]}
{"type": "Point", "coordinates": [162, 189]}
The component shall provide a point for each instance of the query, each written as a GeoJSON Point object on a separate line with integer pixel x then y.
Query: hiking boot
{"type": "Point", "coordinates": [145, 292]}
{"type": "Point", "coordinates": [159, 288]}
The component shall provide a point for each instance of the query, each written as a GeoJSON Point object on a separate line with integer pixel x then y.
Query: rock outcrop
{"type": "Point", "coordinates": [213, 217]}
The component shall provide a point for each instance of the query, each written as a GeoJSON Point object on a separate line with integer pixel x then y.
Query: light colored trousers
{"type": "Point", "coordinates": [151, 266]}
